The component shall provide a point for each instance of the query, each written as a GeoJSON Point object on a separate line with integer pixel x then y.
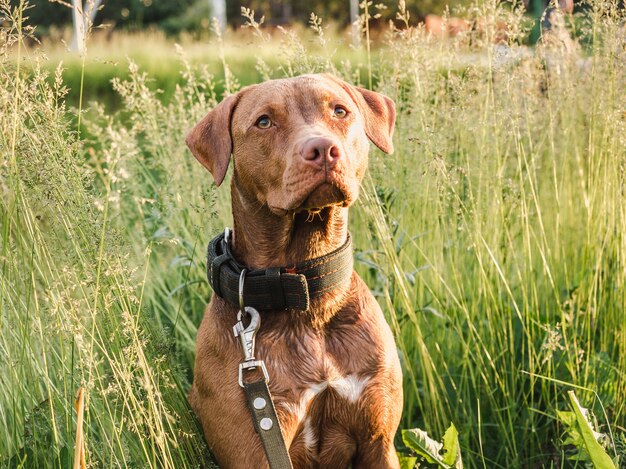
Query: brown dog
{"type": "Point", "coordinates": [300, 148]}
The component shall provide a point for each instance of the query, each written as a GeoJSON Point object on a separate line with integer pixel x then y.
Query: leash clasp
{"type": "Point", "coordinates": [247, 335]}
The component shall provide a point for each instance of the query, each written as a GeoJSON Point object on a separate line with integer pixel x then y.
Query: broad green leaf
{"type": "Point", "coordinates": [568, 418]}
{"type": "Point", "coordinates": [451, 450]}
{"type": "Point", "coordinates": [599, 457]}
{"type": "Point", "coordinates": [407, 462]}
{"type": "Point", "coordinates": [429, 449]}
{"type": "Point", "coordinates": [419, 441]}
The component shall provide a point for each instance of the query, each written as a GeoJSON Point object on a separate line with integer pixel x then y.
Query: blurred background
{"type": "Point", "coordinates": [105, 35]}
{"type": "Point", "coordinates": [194, 16]}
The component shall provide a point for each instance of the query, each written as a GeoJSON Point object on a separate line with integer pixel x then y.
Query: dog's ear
{"type": "Point", "coordinates": [210, 140]}
{"type": "Point", "coordinates": [379, 113]}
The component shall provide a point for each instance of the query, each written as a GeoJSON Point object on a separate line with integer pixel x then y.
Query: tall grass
{"type": "Point", "coordinates": [493, 239]}
{"type": "Point", "coordinates": [76, 288]}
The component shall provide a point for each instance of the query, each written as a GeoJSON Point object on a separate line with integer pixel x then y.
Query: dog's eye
{"type": "Point", "coordinates": [340, 112]}
{"type": "Point", "coordinates": [263, 122]}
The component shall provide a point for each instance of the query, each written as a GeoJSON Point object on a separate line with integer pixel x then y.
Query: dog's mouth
{"type": "Point", "coordinates": [323, 196]}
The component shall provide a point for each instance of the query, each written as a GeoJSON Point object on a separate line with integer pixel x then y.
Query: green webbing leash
{"type": "Point", "coordinates": [258, 395]}
{"type": "Point", "coordinates": [266, 424]}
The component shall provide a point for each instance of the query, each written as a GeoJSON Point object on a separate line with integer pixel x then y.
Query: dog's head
{"type": "Point", "coordinates": [298, 144]}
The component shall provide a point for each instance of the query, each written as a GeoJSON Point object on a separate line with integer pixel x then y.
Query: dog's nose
{"type": "Point", "coordinates": [321, 152]}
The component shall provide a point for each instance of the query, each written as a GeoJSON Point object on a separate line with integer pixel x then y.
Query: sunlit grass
{"type": "Point", "coordinates": [493, 238]}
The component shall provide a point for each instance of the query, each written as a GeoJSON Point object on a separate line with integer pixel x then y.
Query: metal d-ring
{"type": "Point", "coordinates": [242, 279]}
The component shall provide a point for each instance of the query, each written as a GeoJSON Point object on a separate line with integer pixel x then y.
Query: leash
{"type": "Point", "coordinates": [258, 395]}
{"type": "Point", "coordinates": [276, 288]}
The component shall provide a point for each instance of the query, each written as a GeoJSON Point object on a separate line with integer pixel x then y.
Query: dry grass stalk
{"type": "Point", "coordinates": [79, 448]}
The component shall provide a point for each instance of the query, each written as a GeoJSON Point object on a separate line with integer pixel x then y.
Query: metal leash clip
{"type": "Point", "coordinates": [247, 335]}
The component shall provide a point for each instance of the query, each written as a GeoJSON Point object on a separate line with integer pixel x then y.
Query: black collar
{"type": "Point", "coordinates": [276, 287]}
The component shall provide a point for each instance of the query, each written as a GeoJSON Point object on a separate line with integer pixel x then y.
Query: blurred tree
{"type": "Point", "coordinates": [177, 15]}
{"type": "Point", "coordinates": [218, 9]}
{"type": "Point", "coordinates": [141, 13]}
{"type": "Point", "coordinates": [126, 13]}
{"type": "Point", "coordinates": [83, 16]}
{"type": "Point", "coordinates": [354, 17]}
{"type": "Point", "coordinates": [341, 12]}
{"type": "Point", "coordinates": [287, 11]}
{"type": "Point", "coordinates": [195, 18]}
{"type": "Point", "coordinates": [45, 13]}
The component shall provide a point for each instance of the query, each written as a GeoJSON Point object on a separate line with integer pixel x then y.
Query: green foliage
{"type": "Point", "coordinates": [407, 462]}
{"type": "Point", "coordinates": [192, 19]}
{"type": "Point", "coordinates": [76, 309]}
{"type": "Point", "coordinates": [493, 238]}
{"type": "Point", "coordinates": [581, 434]}
{"type": "Point", "coordinates": [338, 10]}
{"type": "Point", "coordinates": [172, 16]}
{"type": "Point", "coordinates": [176, 16]}
{"type": "Point", "coordinates": [430, 450]}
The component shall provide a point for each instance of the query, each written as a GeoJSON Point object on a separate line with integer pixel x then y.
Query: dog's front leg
{"type": "Point", "coordinates": [378, 454]}
{"type": "Point", "coordinates": [382, 412]}
{"type": "Point", "coordinates": [229, 432]}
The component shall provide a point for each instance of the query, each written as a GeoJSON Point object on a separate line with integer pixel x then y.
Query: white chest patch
{"type": "Point", "coordinates": [350, 387]}
{"type": "Point", "coordinates": [308, 435]}
{"type": "Point", "coordinates": [300, 408]}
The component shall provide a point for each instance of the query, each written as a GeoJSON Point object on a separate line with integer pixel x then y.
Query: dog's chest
{"type": "Point", "coordinates": [318, 382]}
{"type": "Point", "coordinates": [322, 385]}
{"type": "Point", "coordinates": [309, 362]}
